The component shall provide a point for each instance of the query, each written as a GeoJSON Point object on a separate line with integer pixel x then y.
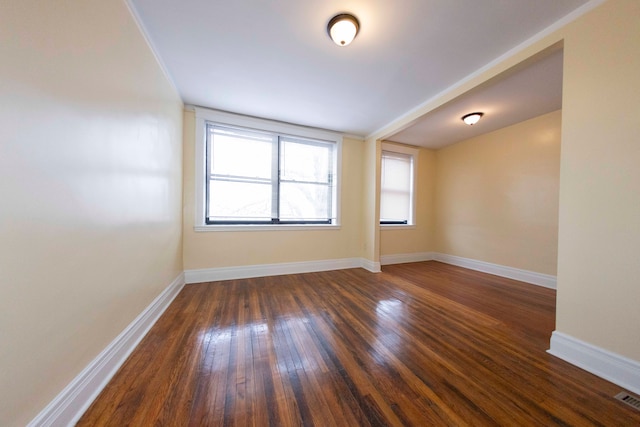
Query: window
{"type": "Point", "coordinates": [397, 186]}
{"type": "Point", "coordinates": [259, 176]}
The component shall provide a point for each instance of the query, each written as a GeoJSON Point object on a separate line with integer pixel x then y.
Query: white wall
{"type": "Point", "coordinates": [90, 190]}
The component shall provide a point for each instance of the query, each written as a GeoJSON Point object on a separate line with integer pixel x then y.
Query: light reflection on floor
{"type": "Point", "coordinates": [390, 315]}
{"type": "Point", "coordinates": [258, 338]}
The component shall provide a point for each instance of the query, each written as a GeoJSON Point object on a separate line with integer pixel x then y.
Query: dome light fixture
{"type": "Point", "coordinates": [343, 28]}
{"type": "Point", "coordinates": [472, 118]}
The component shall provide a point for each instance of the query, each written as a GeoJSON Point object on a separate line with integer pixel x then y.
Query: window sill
{"type": "Point", "coordinates": [397, 227]}
{"type": "Point", "coordinates": [281, 227]}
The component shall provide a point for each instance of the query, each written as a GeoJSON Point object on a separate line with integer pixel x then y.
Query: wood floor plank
{"type": "Point", "coordinates": [419, 344]}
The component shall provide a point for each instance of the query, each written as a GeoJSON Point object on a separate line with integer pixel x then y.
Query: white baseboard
{"type": "Point", "coordinates": [545, 280]}
{"type": "Point", "coordinates": [372, 266]}
{"type": "Point", "coordinates": [69, 405]}
{"type": "Point", "coordinates": [263, 270]}
{"type": "Point", "coordinates": [532, 277]}
{"type": "Point", "coordinates": [404, 258]}
{"type": "Point", "coordinates": [613, 367]}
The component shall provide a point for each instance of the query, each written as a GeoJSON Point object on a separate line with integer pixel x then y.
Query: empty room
{"type": "Point", "coordinates": [320, 213]}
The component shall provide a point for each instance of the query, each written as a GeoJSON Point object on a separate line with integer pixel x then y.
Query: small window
{"type": "Point", "coordinates": [397, 185]}
{"type": "Point", "coordinates": [255, 177]}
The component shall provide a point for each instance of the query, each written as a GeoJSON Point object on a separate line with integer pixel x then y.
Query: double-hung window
{"type": "Point", "coordinates": [262, 177]}
{"type": "Point", "coordinates": [397, 185]}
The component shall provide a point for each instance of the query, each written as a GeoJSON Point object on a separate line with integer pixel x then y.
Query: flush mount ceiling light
{"type": "Point", "coordinates": [343, 29]}
{"type": "Point", "coordinates": [472, 118]}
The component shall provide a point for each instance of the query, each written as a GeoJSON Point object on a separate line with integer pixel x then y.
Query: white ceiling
{"type": "Point", "coordinates": [522, 93]}
{"type": "Point", "coordinates": [274, 59]}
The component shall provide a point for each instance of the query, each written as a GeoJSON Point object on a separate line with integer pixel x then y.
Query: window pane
{"type": "Point", "coordinates": [239, 201]}
{"type": "Point", "coordinates": [396, 174]}
{"type": "Point", "coordinates": [256, 176]}
{"type": "Point", "coordinates": [304, 202]}
{"type": "Point", "coordinates": [394, 206]}
{"type": "Point", "coordinates": [237, 154]}
{"type": "Point", "coordinates": [310, 162]}
{"type": "Point", "coordinates": [395, 187]}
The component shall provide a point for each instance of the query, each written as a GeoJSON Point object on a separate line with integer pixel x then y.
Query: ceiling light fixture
{"type": "Point", "coordinates": [472, 118]}
{"type": "Point", "coordinates": [343, 29]}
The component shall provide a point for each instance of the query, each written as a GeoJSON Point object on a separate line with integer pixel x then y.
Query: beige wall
{"type": "Point", "coordinates": [90, 190]}
{"type": "Point", "coordinates": [213, 249]}
{"type": "Point", "coordinates": [497, 196]}
{"type": "Point", "coordinates": [599, 238]}
{"type": "Point", "coordinates": [90, 171]}
{"type": "Point", "coordinates": [421, 237]}
{"type": "Point", "coordinates": [371, 203]}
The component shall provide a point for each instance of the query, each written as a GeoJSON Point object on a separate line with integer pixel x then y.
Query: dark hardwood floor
{"type": "Point", "coordinates": [423, 344]}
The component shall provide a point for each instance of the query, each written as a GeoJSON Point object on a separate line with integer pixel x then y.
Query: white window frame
{"type": "Point", "coordinates": [414, 153]}
{"type": "Point", "coordinates": [204, 115]}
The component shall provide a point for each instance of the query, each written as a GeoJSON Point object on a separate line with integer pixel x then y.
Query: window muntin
{"type": "Point", "coordinates": [396, 188]}
{"type": "Point", "coordinates": [265, 178]}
